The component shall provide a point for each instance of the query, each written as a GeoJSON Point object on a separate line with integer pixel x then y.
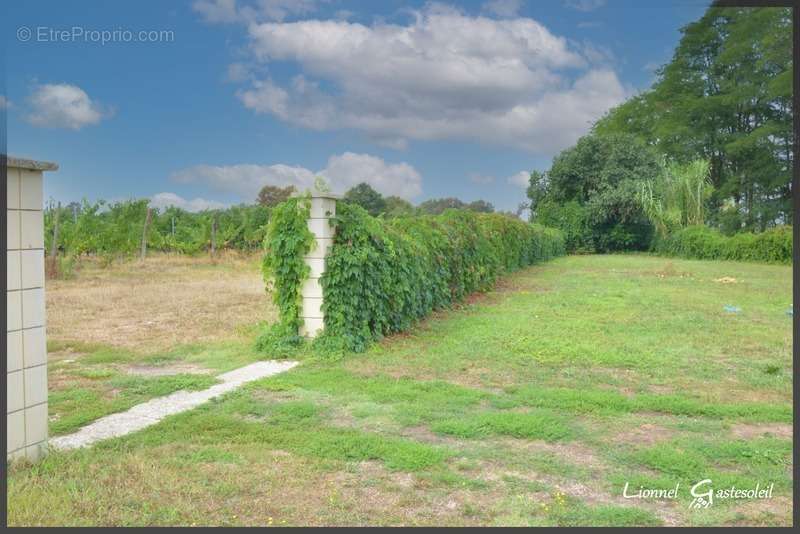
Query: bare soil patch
{"type": "Point", "coordinates": [757, 430]}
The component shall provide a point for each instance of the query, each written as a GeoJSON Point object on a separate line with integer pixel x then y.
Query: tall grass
{"type": "Point", "coordinates": [676, 199]}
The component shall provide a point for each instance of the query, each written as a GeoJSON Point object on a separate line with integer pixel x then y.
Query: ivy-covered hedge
{"type": "Point", "coordinates": [383, 275]}
{"type": "Point", "coordinates": [701, 242]}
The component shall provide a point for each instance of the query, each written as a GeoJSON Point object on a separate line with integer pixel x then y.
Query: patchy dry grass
{"type": "Point", "coordinates": [159, 303]}
{"type": "Point", "coordinates": [120, 335]}
{"type": "Point", "coordinates": [531, 405]}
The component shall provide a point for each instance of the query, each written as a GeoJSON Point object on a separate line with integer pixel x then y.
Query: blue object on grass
{"type": "Point", "coordinates": [790, 312]}
{"type": "Point", "coordinates": [732, 309]}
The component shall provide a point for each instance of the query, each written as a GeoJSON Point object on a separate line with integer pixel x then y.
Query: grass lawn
{"type": "Point", "coordinates": [120, 335]}
{"type": "Point", "coordinates": [532, 404]}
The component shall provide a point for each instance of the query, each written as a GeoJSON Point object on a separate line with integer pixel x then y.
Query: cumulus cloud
{"type": "Point", "coordinates": [64, 106]}
{"type": "Point", "coordinates": [342, 172]}
{"type": "Point", "coordinates": [446, 75]}
{"type": "Point", "coordinates": [584, 5]}
{"type": "Point", "coordinates": [520, 179]}
{"type": "Point", "coordinates": [348, 169]}
{"type": "Point", "coordinates": [165, 200]}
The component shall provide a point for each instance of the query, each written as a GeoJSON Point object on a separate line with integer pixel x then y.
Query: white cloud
{"type": "Point", "coordinates": [342, 172]}
{"type": "Point", "coordinates": [245, 180]}
{"type": "Point", "coordinates": [584, 5]}
{"type": "Point", "coordinates": [229, 11]}
{"type": "Point", "coordinates": [5, 103]}
{"type": "Point", "coordinates": [520, 179]}
{"type": "Point", "coordinates": [165, 200]}
{"type": "Point", "coordinates": [63, 106]}
{"type": "Point", "coordinates": [446, 75]}
{"type": "Point", "coordinates": [503, 8]}
{"type": "Point", "coordinates": [347, 170]}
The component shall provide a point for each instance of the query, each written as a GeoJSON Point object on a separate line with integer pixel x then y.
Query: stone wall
{"type": "Point", "coordinates": [26, 354]}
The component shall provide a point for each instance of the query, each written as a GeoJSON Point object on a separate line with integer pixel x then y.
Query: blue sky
{"type": "Point", "coordinates": [419, 99]}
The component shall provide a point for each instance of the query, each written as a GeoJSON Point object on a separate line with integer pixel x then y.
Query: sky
{"type": "Point", "coordinates": [200, 103]}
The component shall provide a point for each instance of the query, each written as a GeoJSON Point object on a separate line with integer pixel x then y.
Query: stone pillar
{"type": "Point", "coordinates": [26, 352]}
{"type": "Point", "coordinates": [323, 208]}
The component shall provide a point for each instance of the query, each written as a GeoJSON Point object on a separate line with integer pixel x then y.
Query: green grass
{"type": "Point", "coordinates": [73, 408]}
{"type": "Point", "coordinates": [545, 426]}
{"type": "Point", "coordinates": [97, 382]}
{"type": "Point", "coordinates": [531, 405]}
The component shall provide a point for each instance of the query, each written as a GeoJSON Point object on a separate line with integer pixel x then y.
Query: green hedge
{"type": "Point", "coordinates": [383, 275]}
{"type": "Point", "coordinates": [701, 242]}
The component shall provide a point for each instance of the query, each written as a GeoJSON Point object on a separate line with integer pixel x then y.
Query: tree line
{"type": "Point", "coordinates": [134, 227]}
{"type": "Point", "coordinates": [376, 204]}
{"type": "Point", "coordinates": [710, 143]}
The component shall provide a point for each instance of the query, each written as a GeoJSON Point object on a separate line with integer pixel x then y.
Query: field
{"type": "Point", "coordinates": [532, 404]}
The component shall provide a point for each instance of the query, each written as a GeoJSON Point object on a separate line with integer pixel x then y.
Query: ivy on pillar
{"type": "Point", "coordinates": [323, 210]}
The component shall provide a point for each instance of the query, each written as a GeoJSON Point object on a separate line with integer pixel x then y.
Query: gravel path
{"type": "Point", "coordinates": [153, 411]}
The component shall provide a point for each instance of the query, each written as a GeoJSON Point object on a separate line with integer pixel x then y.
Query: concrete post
{"type": "Point", "coordinates": [323, 208]}
{"type": "Point", "coordinates": [26, 351]}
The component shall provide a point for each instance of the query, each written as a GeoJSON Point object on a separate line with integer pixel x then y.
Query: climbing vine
{"type": "Point", "coordinates": [287, 241]}
{"type": "Point", "coordinates": [381, 276]}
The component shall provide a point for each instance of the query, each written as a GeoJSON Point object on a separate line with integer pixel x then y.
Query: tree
{"type": "Point", "coordinates": [726, 97]}
{"type": "Point", "coordinates": [436, 206]}
{"type": "Point", "coordinates": [398, 207]}
{"type": "Point", "coordinates": [366, 197]}
{"type": "Point", "coordinates": [592, 193]}
{"type": "Point", "coordinates": [272, 195]}
{"type": "Point", "coordinates": [536, 191]}
{"type": "Point", "coordinates": [481, 206]}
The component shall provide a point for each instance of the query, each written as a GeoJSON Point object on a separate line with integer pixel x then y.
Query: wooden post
{"type": "Point", "coordinates": [213, 235]}
{"type": "Point", "coordinates": [54, 245]}
{"type": "Point", "coordinates": [144, 232]}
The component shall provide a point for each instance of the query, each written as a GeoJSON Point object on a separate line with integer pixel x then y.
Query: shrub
{"type": "Point", "coordinates": [382, 275]}
{"type": "Point", "coordinates": [591, 192]}
{"type": "Point", "coordinates": [701, 242]}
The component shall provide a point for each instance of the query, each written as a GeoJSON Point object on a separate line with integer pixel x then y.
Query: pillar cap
{"type": "Point", "coordinates": [318, 194]}
{"type": "Point", "coordinates": [30, 164]}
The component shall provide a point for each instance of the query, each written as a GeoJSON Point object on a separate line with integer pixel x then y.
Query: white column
{"type": "Point", "coordinates": [26, 351]}
{"type": "Point", "coordinates": [323, 208]}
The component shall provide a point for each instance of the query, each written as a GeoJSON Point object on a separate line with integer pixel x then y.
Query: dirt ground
{"type": "Point", "coordinates": [155, 304]}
